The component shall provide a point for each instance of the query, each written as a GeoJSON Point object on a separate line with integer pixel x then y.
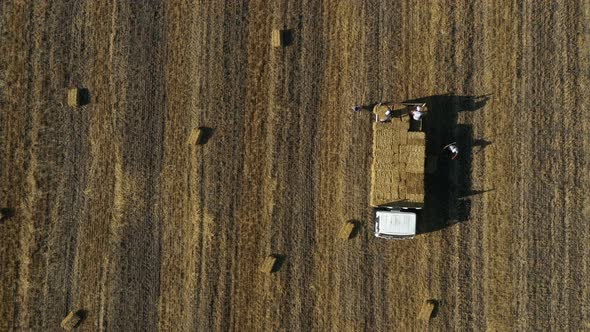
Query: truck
{"type": "Point", "coordinates": [398, 168]}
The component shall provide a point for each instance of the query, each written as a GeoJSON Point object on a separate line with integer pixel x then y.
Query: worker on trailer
{"type": "Point", "coordinates": [388, 114]}
{"type": "Point", "coordinates": [452, 150]}
{"type": "Point", "coordinates": [417, 113]}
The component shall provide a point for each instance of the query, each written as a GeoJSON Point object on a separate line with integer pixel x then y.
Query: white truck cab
{"type": "Point", "coordinates": [395, 224]}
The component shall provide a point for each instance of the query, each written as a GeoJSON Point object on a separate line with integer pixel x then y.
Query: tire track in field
{"type": "Point", "coordinates": [362, 139]}
{"type": "Point", "coordinates": [546, 249]}
{"type": "Point", "coordinates": [68, 138]}
{"type": "Point", "coordinates": [493, 208]}
{"type": "Point", "coordinates": [228, 170]}
{"type": "Point", "coordinates": [139, 121]}
{"type": "Point", "coordinates": [310, 62]}
{"type": "Point", "coordinates": [471, 126]}
{"type": "Point", "coordinates": [90, 264]}
{"type": "Point", "coordinates": [562, 221]}
{"type": "Point", "coordinates": [523, 228]}
{"type": "Point", "coordinates": [570, 189]}
{"type": "Point", "coordinates": [540, 295]}
{"type": "Point", "coordinates": [451, 255]}
{"type": "Point", "coordinates": [355, 154]}
{"type": "Point", "coordinates": [442, 256]}
{"type": "Point", "coordinates": [251, 301]}
{"type": "Point", "coordinates": [181, 232]}
{"type": "Point", "coordinates": [292, 224]}
{"type": "Point", "coordinates": [328, 206]}
{"type": "Point", "coordinates": [579, 206]}
{"type": "Point", "coordinates": [32, 235]}
{"type": "Point", "coordinates": [16, 169]}
{"type": "Point", "coordinates": [43, 203]}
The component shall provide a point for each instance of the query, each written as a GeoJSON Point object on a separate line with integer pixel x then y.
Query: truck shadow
{"type": "Point", "coordinates": [448, 190]}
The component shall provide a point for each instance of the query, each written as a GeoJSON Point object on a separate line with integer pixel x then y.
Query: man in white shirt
{"type": "Point", "coordinates": [417, 113]}
{"type": "Point", "coordinates": [452, 149]}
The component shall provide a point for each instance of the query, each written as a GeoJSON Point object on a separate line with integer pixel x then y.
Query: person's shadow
{"type": "Point", "coordinates": [481, 144]}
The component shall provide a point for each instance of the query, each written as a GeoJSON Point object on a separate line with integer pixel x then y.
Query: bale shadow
{"type": "Point", "coordinates": [83, 314]}
{"type": "Point", "coordinates": [287, 37]}
{"type": "Point", "coordinates": [356, 230]}
{"type": "Point", "coordinates": [207, 134]}
{"type": "Point", "coordinates": [481, 143]}
{"type": "Point", "coordinates": [6, 214]}
{"type": "Point", "coordinates": [84, 97]}
{"type": "Point", "coordinates": [280, 260]}
{"type": "Point", "coordinates": [472, 192]}
{"type": "Point", "coordinates": [446, 188]}
{"type": "Point", "coordinates": [435, 310]}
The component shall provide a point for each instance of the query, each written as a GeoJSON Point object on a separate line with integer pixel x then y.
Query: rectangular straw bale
{"type": "Point", "coordinates": [346, 230]}
{"type": "Point", "coordinates": [415, 162]}
{"type": "Point", "coordinates": [419, 135]}
{"type": "Point", "coordinates": [412, 149]}
{"type": "Point", "coordinates": [276, 38]}
{"type": "Point", "coordinates": [416, 198]}
{"type": "Point", "coordinates": [70, 321]}
{"type": "Point", "coordinates": [268, 264]}
{"type": "Point", "coordinates": [414, 183]}
{"type": "Point", "coordinates": [426, 310]}
{"type": "Point", "coordinates": [73, 97]}
{"type": "Point", "coordinates": [401, 190]}
{"type": "Point", "coordinates": [196, 136]}
{"type": "Point", "coordinates": [279, 37]}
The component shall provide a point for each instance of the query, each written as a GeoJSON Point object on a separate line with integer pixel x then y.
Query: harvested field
{"type": "Point", "coordinates": [113, 213]}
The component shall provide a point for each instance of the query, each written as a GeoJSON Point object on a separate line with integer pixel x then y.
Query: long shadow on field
{"type": "Point", "coordinates": [448, 188]}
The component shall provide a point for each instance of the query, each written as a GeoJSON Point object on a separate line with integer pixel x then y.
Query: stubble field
{"type": "Point", "coordinates": [114, 214]}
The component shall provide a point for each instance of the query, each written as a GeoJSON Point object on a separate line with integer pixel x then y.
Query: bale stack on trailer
{"type": "Point", "coordinates": [398, 163]}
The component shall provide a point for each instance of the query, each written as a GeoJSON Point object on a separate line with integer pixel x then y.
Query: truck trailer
{"type": "Point", "coordinates": [397, 173]}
